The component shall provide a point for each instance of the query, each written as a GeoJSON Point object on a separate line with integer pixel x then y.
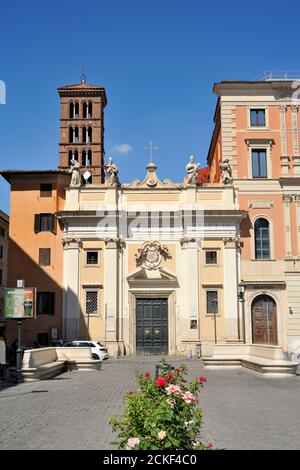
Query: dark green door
{"type": "Point", "coordinates": [152, 326]}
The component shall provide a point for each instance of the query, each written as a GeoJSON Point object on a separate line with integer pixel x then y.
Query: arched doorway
{"type": "Point", "coordinates": [264, 320]}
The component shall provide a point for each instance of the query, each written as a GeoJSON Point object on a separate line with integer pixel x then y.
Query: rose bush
{"type": "Point", "coordinates": [162, 414]}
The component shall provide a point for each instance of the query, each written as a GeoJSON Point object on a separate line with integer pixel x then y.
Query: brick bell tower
{"type": "Point", "coordinates": [82, 128]}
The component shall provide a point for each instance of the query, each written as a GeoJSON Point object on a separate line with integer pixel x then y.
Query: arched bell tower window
{"type": "Point", "coordinates": [89, 135]}
{"type": "Point", "coordinates": [86, 158]}
{"type": "Point", "coordinates": [74, 110]}
{"type": "Point", "coordinates": [87, 109]}
{"type": "Point", "coordinates": [76, 135]}
{"type": "Point", "coordinates": [72, 154]}
{"type": "Point", "coordinates": [262, 238]}
{"type": "Point", "coordinates": [73, 135]}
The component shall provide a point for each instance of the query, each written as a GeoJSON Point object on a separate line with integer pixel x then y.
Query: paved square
{"type": "Point", "coordinates": [242, 410]}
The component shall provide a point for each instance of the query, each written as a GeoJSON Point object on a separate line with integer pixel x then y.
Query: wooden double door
{"type": "Point", "coordinates": [151, 326]}
{"type": "Point", "coordinates": [264, 320]}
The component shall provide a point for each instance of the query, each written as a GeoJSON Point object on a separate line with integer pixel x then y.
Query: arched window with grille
{"type": "Point", "coordinates": [262, 238]}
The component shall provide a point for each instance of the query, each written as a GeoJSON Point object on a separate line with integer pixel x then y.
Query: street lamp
{"type": "Point", "coordinates": [241, 296]}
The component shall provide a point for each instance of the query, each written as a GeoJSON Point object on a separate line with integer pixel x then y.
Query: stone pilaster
{"type": "Point", "coordinates": [287, 199]}
{"type": "Point", "coordinates": [297, 199]}
{"type": "Point", "coordinates": [282, 110]}
{"type": "Point", "coordinates": [111, 294]}
{"type": "Point", "coordinates": [71, 279]}
{"type": "Point", "coordinates": [231, 312]}
{"type": "Point", "coordinates": [294, 109]}
{"type": "Point", "coordinates": [190, 277]}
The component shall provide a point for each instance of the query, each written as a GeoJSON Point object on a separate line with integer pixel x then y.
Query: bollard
{"type": "Point", "coordinates": [163, 366]}
{"type": "Point", "coordinates": [198, 350]}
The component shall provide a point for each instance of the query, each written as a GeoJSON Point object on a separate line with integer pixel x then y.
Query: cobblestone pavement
{"type": "Point", "coordinates": [242, 410]}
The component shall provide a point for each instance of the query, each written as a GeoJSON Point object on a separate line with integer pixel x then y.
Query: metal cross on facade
{"type": "Point", "coordinates": [151, 148]}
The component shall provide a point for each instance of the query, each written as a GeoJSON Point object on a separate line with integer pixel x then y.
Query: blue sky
{"type": "Point", "coordinates": [157, 59]}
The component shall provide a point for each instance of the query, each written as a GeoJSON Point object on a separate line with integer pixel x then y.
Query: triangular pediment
{"type": "Point", "coordinates": [155, 275]}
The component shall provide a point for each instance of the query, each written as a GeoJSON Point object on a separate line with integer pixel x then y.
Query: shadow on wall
{"type": "Point", "coordinates": [21, 266]}
{"type": "Point", "coordinates": [246, 226]}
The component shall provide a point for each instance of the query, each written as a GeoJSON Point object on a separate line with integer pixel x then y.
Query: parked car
{"type": "Point", "coordinates": [98, 350]}
{"type": "Point", "coordinates": [57, 342]}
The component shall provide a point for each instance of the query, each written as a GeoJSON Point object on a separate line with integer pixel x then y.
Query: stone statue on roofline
{"type": "Point", "coordinates": [76, 177]}
{"type": "Point", "coordinates": [192, 171]}
{"type": "Point", "coordinates": [226, 171]}
{"type": "Point", "coordinates": [111, 173]}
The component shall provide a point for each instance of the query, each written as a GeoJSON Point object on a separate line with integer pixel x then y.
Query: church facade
{"type": "Point", "coordinates": [194, 267]}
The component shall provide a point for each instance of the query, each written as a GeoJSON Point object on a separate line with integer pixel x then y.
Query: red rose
{"type": "Point", "coordinates": [147, 374]}
{"type": "Point", "coordinates": [210, 444]}
{"type": "Point", "coordinates": [202, 379]}
{"type": "Point", "coordinates": [170, 376]}
{"type": "Point", "coordinates": [161, 382]}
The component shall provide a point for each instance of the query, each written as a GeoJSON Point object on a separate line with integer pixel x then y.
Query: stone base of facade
{"type": "Point", "coordinates": [260, 358]}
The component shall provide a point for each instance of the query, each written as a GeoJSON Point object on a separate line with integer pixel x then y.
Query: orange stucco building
{"type": "Point", "coordinates": [257, 129]}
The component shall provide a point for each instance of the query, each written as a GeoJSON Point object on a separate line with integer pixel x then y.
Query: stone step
{"type": "Point", "coordinates": [259, 364]}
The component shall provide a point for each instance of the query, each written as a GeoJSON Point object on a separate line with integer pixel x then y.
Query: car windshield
{"type": "Point", "coordinates": [101, 344]}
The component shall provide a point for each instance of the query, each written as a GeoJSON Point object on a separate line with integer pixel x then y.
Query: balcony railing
{"type": "Point", "coordinates": [278, 75]}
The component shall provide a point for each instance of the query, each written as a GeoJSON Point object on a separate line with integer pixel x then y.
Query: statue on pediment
{"type": "Point", "coordinates": [111, 173]}
{"type": "Point", "coordinates": [76, 177]}
{"type": "Point", "coordinates": [226, 171]}
{"type": "Point", "coordinates": [192, 171]}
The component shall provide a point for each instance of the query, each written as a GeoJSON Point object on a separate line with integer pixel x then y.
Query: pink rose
{"type": "Point", "coordinates": [188, 397]}
{"type": "Point", "coordinates": [133, 441]}
{"type": "Point", "coordinates": [173, 390]}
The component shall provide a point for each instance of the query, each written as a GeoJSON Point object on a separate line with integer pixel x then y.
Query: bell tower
{"type": "Point", "coordinates": [82, 128]}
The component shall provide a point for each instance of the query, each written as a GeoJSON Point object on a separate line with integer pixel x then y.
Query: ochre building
{"type": "Point", "coordinates": [204, 266]}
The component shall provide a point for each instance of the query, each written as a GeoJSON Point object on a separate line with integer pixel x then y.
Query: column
{"type": "Point", "coordinates": [111, 293]}
{"type": "Point", "coordinates": [287, 198]}
{"type": "Point", "coordinates": [71, 304]}
{"type": "Point", "coordinates": [231, 312]}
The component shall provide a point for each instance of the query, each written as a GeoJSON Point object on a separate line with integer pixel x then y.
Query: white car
{"type": "Point", "coordinates": [98, 350]}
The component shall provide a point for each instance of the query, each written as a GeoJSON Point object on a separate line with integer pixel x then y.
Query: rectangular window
{"type": "Point", "coordinates": [257, 117]}
{"type": "Point", "coordinates": [1, 251]}
{"type": "Point", "coordinates": [92, 257]}
{"type": "Point", "coordinates": [44, 223]}
{"type": "Point", "coordinates": [211, 257]}
{"type": "Point", "coordinates": [44, 256]}
{"type": "Point", "coordinates": [2, 232]}
{"type": "Point", "coordinates": [212, 302]}
{"type": "Point", "coordinates": [46, 190]}
{"type": "Point", "coordinates": [91, 302]}
{"type": "Point", "coordinates": [45, 303]}
{"type": "Point", "coordinates": [259, 163]}
{"type": "Point", "coordinates": [1, 277]}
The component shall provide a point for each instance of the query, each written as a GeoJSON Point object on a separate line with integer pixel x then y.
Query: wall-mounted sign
{"type": "Point", "coordinates": [19, 303]}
